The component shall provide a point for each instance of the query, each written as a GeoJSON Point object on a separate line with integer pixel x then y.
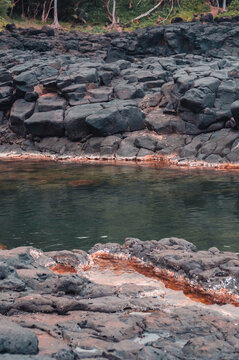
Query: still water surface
{"type": "Point", "coordinates": [64, 206]}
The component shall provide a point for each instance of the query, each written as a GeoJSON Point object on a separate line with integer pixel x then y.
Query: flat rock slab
{"type": "Point", "coordinates": [50, 103]}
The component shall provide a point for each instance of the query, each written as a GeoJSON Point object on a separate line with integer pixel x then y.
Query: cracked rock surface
{"type": "Point", "coordinates": [119, 302]}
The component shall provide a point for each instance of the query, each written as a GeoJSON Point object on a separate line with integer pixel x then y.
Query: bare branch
{"type": "Point", "coordinates": [149, 11]}
{"type": "Point", "coordinates": [138, 3]}
{"type": "Point", "coordinates": [106, 5]}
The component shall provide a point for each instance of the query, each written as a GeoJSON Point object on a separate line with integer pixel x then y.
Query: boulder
{"type": "Point", "coordinates": [134, 117]}
{"type": "Point", "coordinates": [75, 125]}
{"type": "Point", "coordinates": [101, 94]}
{"type": "Point", "coordinates": [127, 149]}
{"type": "Point", "coordinates": [109, 145]}
{"type": "Point", "coordinates": [209, 82]}
{"type": "Point", "coordinates": [197, 99]}
{"type": "Point", "coordinates": [31, 96]}
{"type": "Point", "coordinates": [116, 118]}
{"type": "Point", "coordinates": [106, 122]}
{"type": "Point", "coordinates": [85, 75]}
{"type": "Point", "coordinates": [146, 142]}
{"type": "Point", "coordinates": [14, 339]}
{"type": "Point", "coordinates": [125, 92]}
{"type": "Point", "coordinates": [44, 124]}
{"type": "Point", "coordinates": [226, 94]}
{"type": "Point", "coordinates": [20, 111]}
{"type": "Point", "coordinates": [207, 118]}
{"type": "Point", "coordinates": [25, 82]}
{"type": "Point", "coordinates": [74, 93]}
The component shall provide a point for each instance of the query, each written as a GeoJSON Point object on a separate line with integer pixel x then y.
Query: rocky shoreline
{"type": "Point", "coordinates": [140, 300]}
{"type": "Point", "coordinates": [159, 96]}
{"type": "Point", "coordinates": [164, 94]}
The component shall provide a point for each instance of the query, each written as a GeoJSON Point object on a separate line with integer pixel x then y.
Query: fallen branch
{"type": "Point", "coordinates": [149, 11]}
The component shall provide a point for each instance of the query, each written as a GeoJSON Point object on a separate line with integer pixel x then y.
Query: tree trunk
{"type": "Point", "coordinates": [23, 11]}
{"type": "Point", "coordinates": [224, 5]}
{"type": "Point", "coordinates": [56, 23]}
{"type": "Point", "coordinates": [113, 14]}
{"type": "Point", "coordinates": [106, 5]}
{"type": "Point", "coordinates": [47, 6]}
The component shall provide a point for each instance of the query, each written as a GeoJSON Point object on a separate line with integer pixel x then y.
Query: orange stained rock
{"type": "Point", "coordinates": [3, 247]}
{"type": "Point", "coordinates": [155, 161]}
{"type": "Point", "coordinates": [119, 264]}
{"type": "Point", "coordinates": [63, 269]}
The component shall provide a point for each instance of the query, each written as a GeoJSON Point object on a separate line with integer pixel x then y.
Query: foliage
{"type": "Point", "coordinates": [234, 6]}
{"type": "Point", "coordinates": [233, 10]}
{"type": "Point", "coordinates": [229, 14]}
{"type": "Point", "coordinates": [195, 6]}
{"type": "Point", "coordinates": [186, 10]}
{"type": "Point", "coordinates": [4, 6]}
{"type": "Point", "coordinates": [86, 14]}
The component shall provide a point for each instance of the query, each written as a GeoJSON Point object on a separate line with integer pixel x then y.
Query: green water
{"type": "Point", "coordinates": [60, 206]}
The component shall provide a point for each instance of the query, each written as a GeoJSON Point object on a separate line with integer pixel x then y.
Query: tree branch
{"type": "Point", "coordinates": [149, 11]}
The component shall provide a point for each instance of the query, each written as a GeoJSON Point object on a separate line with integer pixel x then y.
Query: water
{"type": "Point", "coordinates": [64, 206]}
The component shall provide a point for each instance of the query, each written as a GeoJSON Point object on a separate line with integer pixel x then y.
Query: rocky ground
{"type": "Point", "coordinates": [119, 302]}
{"type": "Point", "coordinates": [163, 93]}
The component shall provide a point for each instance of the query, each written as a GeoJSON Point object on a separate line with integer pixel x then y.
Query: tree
{"type": "Point", "coordinates": [224, 5]}
{"type": "Point", "coordinates": [46, 8]}
{"type": "Point", "coordinates": [55, 23]}
{"type": "Point", "coordinates": [111, 14]}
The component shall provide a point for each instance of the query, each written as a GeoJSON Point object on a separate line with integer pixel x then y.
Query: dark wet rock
{"type": "Point", "coordinates": [46, 124]}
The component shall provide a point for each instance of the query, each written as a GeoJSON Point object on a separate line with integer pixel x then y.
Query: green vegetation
{"type": "Point", "coordinates": [4, 6]}
{"type": "Point", "coordinates": [188, 8]}
{"type": "Point", "coordinates": [92, 15]}
{"type": "Point", "coordinates": [232, 10]}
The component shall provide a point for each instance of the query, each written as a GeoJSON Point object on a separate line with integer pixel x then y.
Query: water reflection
{"type": "Point", "coordinates": [65, 206]}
